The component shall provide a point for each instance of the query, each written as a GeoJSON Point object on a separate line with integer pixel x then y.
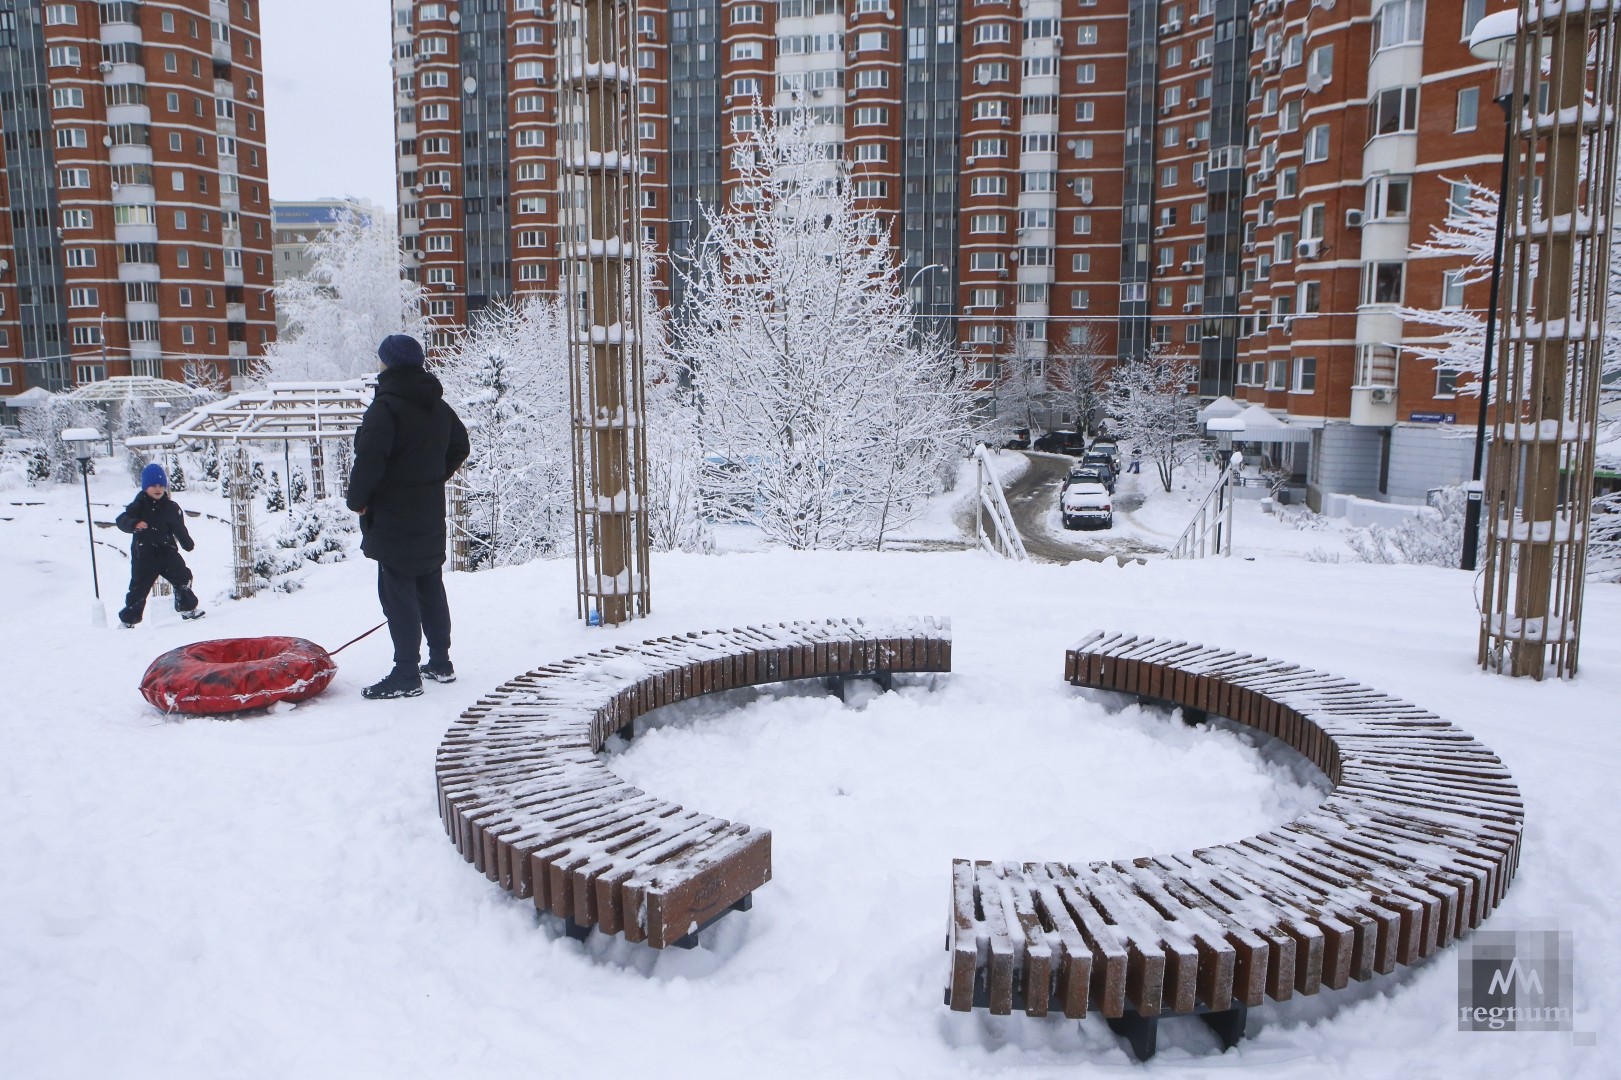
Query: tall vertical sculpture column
{"type": "Point", "coordinates": [1540, 476]}
{"type": "Point", "coordinates": [600, 188]}
{"type": "Point", "coordinates": [239, 487]}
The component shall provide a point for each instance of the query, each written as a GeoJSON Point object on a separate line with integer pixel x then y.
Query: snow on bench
{"type": "Point", "coordinates": [528, 800]}
{"type": "Point", "coordinates": [1415, 845]}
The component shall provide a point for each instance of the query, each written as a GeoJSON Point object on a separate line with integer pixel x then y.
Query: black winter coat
{"type": "Point", "coordinates": [408, 445]}
{"type": "Point", "coordinates": [165, 524]}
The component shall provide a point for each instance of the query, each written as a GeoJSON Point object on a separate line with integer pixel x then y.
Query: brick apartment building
{"type": "Point", "coordinates": [135, 238]}
{"type": "Point", "coordinates": [1239, 182]}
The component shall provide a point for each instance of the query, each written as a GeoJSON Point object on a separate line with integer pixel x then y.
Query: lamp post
{"type": "Point", "coordinates": [1492, 39]}
{"type": "Point", "coordinates": [83, 441]}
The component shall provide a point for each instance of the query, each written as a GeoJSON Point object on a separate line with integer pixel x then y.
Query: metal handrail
{"type": "Point", "coordinates": [1004, 539]}
{"type": "Point", "coordinates": [1211, 530]}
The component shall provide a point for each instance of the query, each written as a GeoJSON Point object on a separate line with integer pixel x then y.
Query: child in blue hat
{"type": "Point", "coordinates": [159, 527]}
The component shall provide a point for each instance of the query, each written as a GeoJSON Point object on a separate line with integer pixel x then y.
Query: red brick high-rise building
{"type": "Point", "coordinates": [136, 235]}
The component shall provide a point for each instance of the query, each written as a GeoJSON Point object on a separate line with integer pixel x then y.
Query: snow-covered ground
{"type": "Point", "coordinates": [275, 897]}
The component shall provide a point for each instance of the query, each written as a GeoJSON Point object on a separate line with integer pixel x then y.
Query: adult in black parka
{"type": "Point", "coordinates": [408, 445]}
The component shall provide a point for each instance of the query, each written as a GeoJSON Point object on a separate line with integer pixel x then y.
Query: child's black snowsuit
{"type": "Point", "coordinates": [153, 553]}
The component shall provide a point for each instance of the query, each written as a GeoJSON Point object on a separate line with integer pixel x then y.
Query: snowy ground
{"type": "Point", "coordinates": [275, 897]}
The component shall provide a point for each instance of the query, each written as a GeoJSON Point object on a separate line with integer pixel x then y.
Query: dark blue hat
{"type": "Point", "coordinates": [154, 474]}
{"type": "Point", "coordinates": [399, 349]}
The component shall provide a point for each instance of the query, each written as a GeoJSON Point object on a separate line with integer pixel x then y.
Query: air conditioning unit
{"type": "Point", "coordinates": [1188, 307]}
{"type": "Point", "coordinates": [1198, 181]}
{"type": "Point", "coordinates": [1193, 144]}
{"type": "Point", "coordinates": [1174, 25]}
{"type": "Point", "coordinates": [1382, 395]}
{"type": "Point", "coordinates": [1007, 121]}
{"type": "Point", "coordinates": [1193, 103]}
{"type": "Point", "coordinates": [253, 95]}
{"type": "Point", "coordinates": [1269, 64]}
{"type": "Point", "coordinates": [1193, 19]}
{"type": "Point", "coordinates": [1268, 218]}
{"type": "Point", "coordinates": [1165, 110]}
{"type": "Point", "coordinates": [1164, 28]}
{"type": "Point", "coordinates": [1353, 219]}
{"type": "Point", "coordinates": [410, 92]}
{"type": "Point", "coordinates": [1263, 174]}
{"type": "Point", "coordinates": [1187, 268]}
{"type": "Point", "coordinates": [1159, 230]}
{"type": "Point", "coordinates": [1249, 249]}
{"type": "Point", "coordinates": [1306, 249]}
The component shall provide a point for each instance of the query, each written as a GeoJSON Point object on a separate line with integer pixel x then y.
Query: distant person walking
{"type": "Point", "coordinates": [159, 527]}
{"type": "Point", "coordinates": [1136, 460]}
{"type": "Point", "coordinates": [409, 443]}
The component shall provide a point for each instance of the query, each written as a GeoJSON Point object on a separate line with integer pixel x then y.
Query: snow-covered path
{"type": "Point", "coordinates": [274, 896]}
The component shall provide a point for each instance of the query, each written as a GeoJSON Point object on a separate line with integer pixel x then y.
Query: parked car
{"type": "Point", "coordinates": [1092, 474]}
{"type": "Point", "coordinates": [1062, 442]}
{"type": "Point", "coordinates": [1086, 503]}
{"type": "Point", "coordinates": [1101, 461]}
{"type": "Point", "coordinates": [1106, 445]}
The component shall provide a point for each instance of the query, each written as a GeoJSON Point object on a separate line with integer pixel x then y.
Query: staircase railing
{"type": "Point", "coordinates": [1211, 530]}
{"type": "Point", "coordinates": [1003, 538]}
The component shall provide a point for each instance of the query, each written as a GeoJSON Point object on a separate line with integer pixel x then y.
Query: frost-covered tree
{"type": "Point", "coordinates": [1155, 410]}
{"type": "Point", "coordinates": [675, 513]}
{"type": "Point", "coordinates": [825, 415]}
{"type": "Point", "coordinates": [1431, 537]}
{"type": "Point", "coordinates": [42, 425]}
{"type": "Point", "coordinates": [355, 295]}
{"type": "Point", "coordinates": [1455, 338]}
{"type": "Point", "coordinates": [507, 375]}
{"type": "Point", "coordinates": [1019, 394]}
{"type": "Point", "coordinates": [1078, 371]}
{"type": "Point", "coordinates": [206, 378]}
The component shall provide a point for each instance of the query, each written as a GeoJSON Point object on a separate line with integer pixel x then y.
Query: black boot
{"type": "Point", "coordinates": [398, 683]}
{"type": "Point", "coordinates": [438, 670]}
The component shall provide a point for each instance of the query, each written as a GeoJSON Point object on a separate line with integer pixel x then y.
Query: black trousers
{"type": "Point", "coordinates": [147, 564]}
{"type": "Point", "coordinates": [415, 607]}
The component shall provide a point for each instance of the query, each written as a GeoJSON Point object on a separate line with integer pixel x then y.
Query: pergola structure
{"type": "Point", "coordinates": [124, 389]}
{"type": "Point", "coordinates": [308, 412]}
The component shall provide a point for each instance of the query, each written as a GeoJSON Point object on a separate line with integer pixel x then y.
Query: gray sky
{"type": "Point", "coordinates": [328, 100]}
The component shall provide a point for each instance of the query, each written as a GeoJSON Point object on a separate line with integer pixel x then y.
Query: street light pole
{"type": "Point", "coordinates": [82, 440]}
{"type": "Point", "coordinates": [1477, 490]}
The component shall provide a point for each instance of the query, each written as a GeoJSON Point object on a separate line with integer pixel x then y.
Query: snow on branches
{"type": "Point", "coordinates": [1154, 409]}
{"type": "Point", "coordinates": [827, 417]}
{"type": "Point", "coordinates": [354, 296]}
{"type": "Point", "coordinates": [1466, 239]}
{"type": "Point", "coordinates": [507, 377]}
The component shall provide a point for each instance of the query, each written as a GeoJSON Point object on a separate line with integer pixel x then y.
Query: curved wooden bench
{"type": "Point", "coordinates": [527, 799]}
{"type": "Point", "coordinates": [1416, 844]}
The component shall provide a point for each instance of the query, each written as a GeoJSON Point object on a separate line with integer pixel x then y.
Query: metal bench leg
{"type": "Point", "coordinates": [837, 685]}
{"type": "Point", "coordinates": [576, 930]}
{"type": "Point", "coordinates": [1142, 1032]}
{"type": "Point", "coordinates": [1228, 1024]}
{"type": "Point", "coordinates": [1194, 717]}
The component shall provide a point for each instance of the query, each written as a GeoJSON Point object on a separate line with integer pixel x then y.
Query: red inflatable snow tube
{"type": "Point", "coordinates": [234, 674]}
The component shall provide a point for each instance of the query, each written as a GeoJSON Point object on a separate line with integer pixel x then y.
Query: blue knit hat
{"type": "Point", "coordinates": [400, 349]}
{"type": "Point", "coordinates": [154, 474]}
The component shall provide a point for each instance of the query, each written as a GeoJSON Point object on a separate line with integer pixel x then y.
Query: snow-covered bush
{"type": "Point", "coordinates": [1604, 539]}
{"type": "Point", "coordinates": [1432, 537]}
{"type": "Point", "coordinates": [825, 414]}
{"type": "Point", "coordinates": [322, 531]}
{"type": "Point", "coordinates": [42, 425]}
{"type": "Point", "coordinates": [507, 377]}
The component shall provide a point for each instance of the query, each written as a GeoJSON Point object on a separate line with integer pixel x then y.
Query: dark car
{"type": "Point", "coordinates": [1101, 461]}
{"type": "Point", "coordinates": [1106, 445]}
{"type": "Point", "coordinates": [1062, 442]}
{"type": "Point", "coordinates": [1091, 474]}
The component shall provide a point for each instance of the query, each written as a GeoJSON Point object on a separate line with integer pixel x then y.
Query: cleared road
{"type": "Point", "coordinates": [1032, 496]}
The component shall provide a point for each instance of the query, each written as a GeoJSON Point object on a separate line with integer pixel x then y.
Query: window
{"type": "Point", "coordinates": [430, 113]}
{"type": "Point", "coordinates": [64, 56]}
{"type": "Point", "coordinates": [84, 297]}
{"type": "Point", "coordinates": [1036, 67]}
{"type": "Point", "coordinates": [744, 13]}
{"type": "Point", "coordinates": [441, 275]}
{"type": "Point", "coordinates": [1459, 198]}
{"type": "Point", "coordinates": [990, 33]}
{"type": "Point", "coordinates": [1133, 292]}
{"type": "Point", "coordinates": [870, 41]}
{"type": "Point", "coordinates": [1081, 263]}
{"type": "Point", "coordinates": [1311, 297]}
{"type": "Point", "coordinates": [529, 137]}
{"type": "Point", "coordinates": [1473, 12]}
{"type": "Point", "coordinates": [1038, 181]}
{"type": "Point", "coordinates": [748, 50]}
{"type": "Point", "coordinates": [1468, 108]}
{"type": "Point", "coordinates": [1388, 197]}
{"type": "Point", "coordinates": [872, 152]}
{"type": "Point", "coordinates": [1036, 219]}
{"type": "Point", "coordinates": [1317, 144]}
{"type": "Point", "coordinates": [185, 297]}
{"type": "Point", "coordinates": [989, 73]}
{"type": "Point", "coordinates": [1086, 34]}
{"type": "Point", "coordinates": [188, 335]}
{"type": "Point", "coordinates": [77, 219]}
{"type": "Point", "coordinates": [987, 260]}
{"type": "Point", "coordinates": [987, 223]}
{"type": "Point", "coordinates": [67, 97]}
{"type": "Point", "coordinates": [529, 103]}
{"type": "Point", "coordinates": [87, 335]}
{"type": "Point", "coordinates": [1080, 299]}
{"type": "Point", "coordinates": [989, 148]}
{"type": "Point", "coordinates": [1399, 22]}
{"type": "Point", "coordinates": [871, 189]}
{"type": "Point", "coordinates": [73, 178]}
{"type": "Point", "coordinates": [1452, 288]}
{"type": "Point", "coordinates": [985, 298]}
{"type": "Point", "coordinates": [1084, 149]}
{"type": "Point", "coordinates": [61, 15]}
{"type": "Point", "coordinates": [872, 79]}
{"type": "Point", "coordinates": [1289, 116]}
{"type": "Point", "coordinates": [980, 185]}
{"type": "Point", "coordinates": [1321, 63]}
{"type": "Point", "coordinates": [1382, 282]}
{"type": "Point", "coordinates": [1393, 111]}
{"type": "Point", "coordinates": [1085, 111]}
{"type": "Point", "coordinates": [871, 115]}
{"type": "Point", "coordinates": [1086, 74]}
